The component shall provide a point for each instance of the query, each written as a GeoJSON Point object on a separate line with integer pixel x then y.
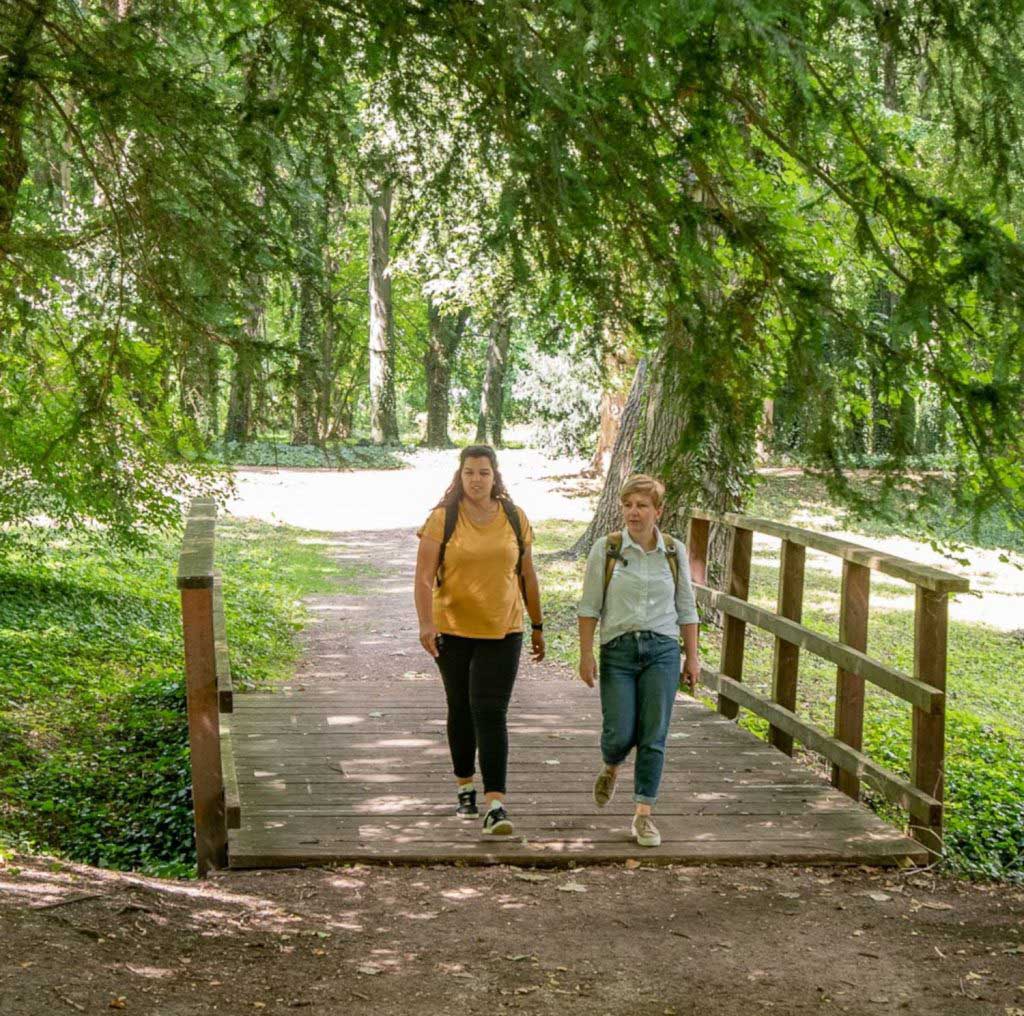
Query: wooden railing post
{"type": "Point", "coordinates": [195, 580]}
{"type": "Point", "coordinates": [931, 626]}
{"type": "Point", "coordinates": [853, 631]}
{"type": "Point", "coordinates": [786, 660]}
{"type": "Point", "coordinates": [737, 583]}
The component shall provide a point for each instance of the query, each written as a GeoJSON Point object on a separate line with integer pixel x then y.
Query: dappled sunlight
{"type": "Point", "coordinates": [344, 721]}
{"type": "Point", "coordinates": [460, 894]}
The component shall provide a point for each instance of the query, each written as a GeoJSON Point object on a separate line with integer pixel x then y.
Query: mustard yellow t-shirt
{"type": "Point", "coordinates": [479, 597]}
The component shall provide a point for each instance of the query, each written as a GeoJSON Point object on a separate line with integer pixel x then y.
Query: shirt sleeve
{"type": "Point", "coordinates": [433, 528]}
{"type": "Point", "coordinates": [593, 582]}
{"type": "Point", "coordinates": [686, 603]}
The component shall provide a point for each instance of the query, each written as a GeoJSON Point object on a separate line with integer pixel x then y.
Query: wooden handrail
{"type": "Point", "coordinates": [925, 690]}
{"type": "Point", "coordinates": [898, 567]}
{"type": "Point", "coordinates": [208, 689]}
{"type": "Point", "coordinates": [917, 693]}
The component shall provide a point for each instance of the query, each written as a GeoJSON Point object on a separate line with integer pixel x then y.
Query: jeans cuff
{"type": "Point", "coordinates": [644, 799]}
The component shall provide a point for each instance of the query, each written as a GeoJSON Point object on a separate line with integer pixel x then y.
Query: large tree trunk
{"type": "Point", "coordinates": [492, 398]}
{"type": "Point", "coordinates": [200, 383]}
{"type": "Point", "coordinates": [240, 394]}
{"type": "Point", "coordinates": [383, 418]}
{"type": "Point", "coordinates": [18, 39]}
{"type": "Point", "coordinates": [607, 518]}
{"type": "Point", "coordinates": [650, 441]}
{"type": "Point", "coordinates": [444, 333]}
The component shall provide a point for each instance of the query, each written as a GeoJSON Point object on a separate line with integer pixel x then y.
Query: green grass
{"type": "Point", "coordinates": [335, 455]}
{"type": "Point", "coordinates": [985, 714]}
{"type": "Point", "coordinates": [93, 738]}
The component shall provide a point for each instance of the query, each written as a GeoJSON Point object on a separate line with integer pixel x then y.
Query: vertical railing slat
{"type": "Point", "coordinates": [928, 730]}
{"type": "Point", "coordinates": [786, 660]}
{"type": "Point", "coordinates": [737, 583]}
{"type": "Point", "coordinates": [853, 630]}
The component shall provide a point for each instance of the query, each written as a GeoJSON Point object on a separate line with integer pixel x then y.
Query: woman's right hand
{"type": "Point", "coordinates": [428, 638]}
{"type": "Point", "coordinates": [588, 669]}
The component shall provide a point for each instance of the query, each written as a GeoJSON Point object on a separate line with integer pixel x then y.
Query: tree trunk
{"type": "Point", "coordinates": [383, 418]}
{"type": "Point", "coordinates": [14, 77]}
{"type": "Point", "coordinates": [650, 441]}
{"type": "Point", "coordinates": [199, 383]}
{"type": "Point", "coordinates": [492, 398]}
{"type": "Point", "coordinates": [607, 518]}
{"type": "Point", "coordinates": [304, 429]}
{"type": "Point", "coordinates": [238, 428]}
{"type": "Point", "coordinates": [444, 333]}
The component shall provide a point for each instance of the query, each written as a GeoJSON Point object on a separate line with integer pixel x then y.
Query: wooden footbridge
{"type": "Point", "coordinates": [362, 773]}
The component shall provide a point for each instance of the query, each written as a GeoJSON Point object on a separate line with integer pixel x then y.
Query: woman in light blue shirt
{"type": "Point", "coordinates": [647, 607]}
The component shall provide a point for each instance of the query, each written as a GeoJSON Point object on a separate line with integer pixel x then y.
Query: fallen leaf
{"type": "Point", "coordinates": [879, 897]}
{"type": "Point", "coordinates": [632, 863]}
{"type": "Point", "coordinates": [937, 906]}
{"type": "Point", "coordinates": [369, 969]}
{"type": "Point", "coordinates": [572, 887]}
{"type": "Point", "coordinates": [118, 1003]}
{"type": "Point", "coordinates": [531, 876]}
{"type": "Point", "coordinates": [517, 958]}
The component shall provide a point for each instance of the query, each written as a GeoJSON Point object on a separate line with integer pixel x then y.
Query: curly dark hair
{"type": "Point", "coordinates": [455, 493]}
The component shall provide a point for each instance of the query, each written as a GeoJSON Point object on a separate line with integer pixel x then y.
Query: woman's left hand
{"type": "Point", "coordinates": [537, 646]}
{"type": "Point", "coordinates": [690, 675]}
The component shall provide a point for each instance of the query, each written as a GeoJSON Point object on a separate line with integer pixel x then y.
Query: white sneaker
{"type": "Point", "coordinates": [645, 832]}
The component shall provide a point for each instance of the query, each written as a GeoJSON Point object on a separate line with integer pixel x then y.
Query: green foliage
{"type": "Point", "coordinates": [93, 736]}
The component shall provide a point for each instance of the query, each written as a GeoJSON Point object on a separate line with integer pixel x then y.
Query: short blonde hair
{"type": "Point", "coordinates": [641, 483]}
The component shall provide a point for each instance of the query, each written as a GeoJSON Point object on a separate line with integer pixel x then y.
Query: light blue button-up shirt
{"type": "Point", "coordinates": [640, 594]}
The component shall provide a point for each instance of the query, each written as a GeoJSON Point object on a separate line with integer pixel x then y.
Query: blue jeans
{"type": "Point", "coordinates": [639, 680]}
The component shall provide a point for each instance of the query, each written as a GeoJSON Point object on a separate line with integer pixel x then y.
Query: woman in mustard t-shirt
{"type": "Point", "coordinates": [467, 594]}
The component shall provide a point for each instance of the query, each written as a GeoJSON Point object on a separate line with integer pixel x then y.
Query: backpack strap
{"type": "Point", "coordinates": [672, 555]}
{"type": "Point", "coordinates": [451, 517]}
{"type": "Point", "coordinates": [612, 553]}
{"type": "Point", "coordinates": [512, 514]}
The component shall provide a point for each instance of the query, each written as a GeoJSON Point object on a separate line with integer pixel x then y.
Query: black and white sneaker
{"type": "Point", "coordinates": [467, 805]}
{"type": "Point", "coordinates": [497, 823]}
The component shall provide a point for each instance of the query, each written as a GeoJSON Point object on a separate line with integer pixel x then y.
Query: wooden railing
{"type": "Point", "coordinates": [925, 690]}
{"type": "Point", "coordinates": [208, 685]}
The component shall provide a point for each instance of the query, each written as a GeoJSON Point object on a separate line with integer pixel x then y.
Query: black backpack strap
{"type": "Point", "coordinates": [512, 514]}
{"type": "Point", "coordinates": [451, 517]}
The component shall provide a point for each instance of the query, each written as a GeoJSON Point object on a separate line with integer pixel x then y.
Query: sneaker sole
{"type": "Point", "coordinates": [467, 815]}
{"type": "Point", "coordinates": [647, 841]}
{"type": "Point", "coordinates": [499, 829]}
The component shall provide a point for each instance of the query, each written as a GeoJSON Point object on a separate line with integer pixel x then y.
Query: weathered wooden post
{"type": "Point", "coordinates": [786, 660]}
{"type": "Point", "coordinates": [196, 582]}
{"type": "Point", "coordinates": [928, 729]}
{"type": "Point", "coordinates": [853, 631]}
{"type": "Point", "coordinates": [737, 583]}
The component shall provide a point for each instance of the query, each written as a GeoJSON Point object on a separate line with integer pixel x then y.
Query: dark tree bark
{"type": "Point", "coordinates": [444, 333]}
{"type": "Point", "coordinates": [15, 47]}
{"type": "Point", "coordinates": [383, 416]}
{"type": "Point", "coordinates": [199, 383]}
{"type": "Point", "coordinates": [492, 398]}
{"type": "Point", "coordinates": [304, 429]}
{"type": "Point", "coordinates": [239, 424]}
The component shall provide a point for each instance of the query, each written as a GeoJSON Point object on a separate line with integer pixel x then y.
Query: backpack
{"type": "Point", "coordinates": [613, 553]}
{"type": "Point", "coordinates": [451, 517]}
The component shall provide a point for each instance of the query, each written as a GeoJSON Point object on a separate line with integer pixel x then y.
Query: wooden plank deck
{"type": "Point", "coordinates": [363, 774]}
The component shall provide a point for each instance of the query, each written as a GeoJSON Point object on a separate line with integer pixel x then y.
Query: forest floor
{"type": "Point", "coordinates": [615, 939]}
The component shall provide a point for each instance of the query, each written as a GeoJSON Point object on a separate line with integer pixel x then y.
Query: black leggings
{"type": "Point", "coordinates": [478, 677]}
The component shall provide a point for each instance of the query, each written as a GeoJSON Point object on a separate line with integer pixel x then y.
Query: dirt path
{"type": "Point", "coordinates": [622, 939]}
